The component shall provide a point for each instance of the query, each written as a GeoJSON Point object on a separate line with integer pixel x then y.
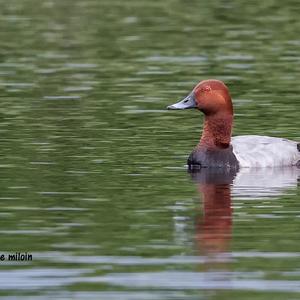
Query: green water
{"type": "Point", "coordinates": [92, 166]}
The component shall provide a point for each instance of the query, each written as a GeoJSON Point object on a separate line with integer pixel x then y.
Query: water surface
{"type": "Point", "coordinates": [92, 166]}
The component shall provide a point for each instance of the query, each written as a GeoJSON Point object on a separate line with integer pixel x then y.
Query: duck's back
{"type": "Point", "coordinates": [264, 151]}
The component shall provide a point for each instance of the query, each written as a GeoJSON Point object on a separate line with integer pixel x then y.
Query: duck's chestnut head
{"type": "Point", "coordinates": [210, 96]}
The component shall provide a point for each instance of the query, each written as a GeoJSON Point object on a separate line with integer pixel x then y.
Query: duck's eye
{"type": "Point", "coordinates": [207, 89]}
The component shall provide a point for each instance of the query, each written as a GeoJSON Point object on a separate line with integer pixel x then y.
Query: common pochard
{"type": "Point", "coordinates": [216, 147]}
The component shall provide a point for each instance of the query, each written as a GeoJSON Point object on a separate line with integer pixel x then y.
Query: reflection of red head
{"type": "Point", "coordinates": [214, 227]}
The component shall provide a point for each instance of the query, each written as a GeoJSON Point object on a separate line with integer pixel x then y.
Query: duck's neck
{"type": "Point", "coordinates": [217, 131]}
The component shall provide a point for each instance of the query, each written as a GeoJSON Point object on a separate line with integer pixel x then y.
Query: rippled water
{"type": "Point", "coordinates": [92, 166]}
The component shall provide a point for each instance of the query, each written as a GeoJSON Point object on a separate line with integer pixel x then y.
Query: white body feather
{"type": "Point", "coordinates": [264, 151]}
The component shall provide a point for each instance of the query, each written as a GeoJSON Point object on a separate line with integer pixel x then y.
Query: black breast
{"type": "Point", "coordinates": [206, 158]}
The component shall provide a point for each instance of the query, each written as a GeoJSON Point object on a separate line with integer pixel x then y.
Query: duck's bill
{"type": "Point", "coordinates": [187, 102]}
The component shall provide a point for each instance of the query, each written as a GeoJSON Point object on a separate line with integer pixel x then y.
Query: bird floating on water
{"type": "Point", "coordinates": [217, 148]}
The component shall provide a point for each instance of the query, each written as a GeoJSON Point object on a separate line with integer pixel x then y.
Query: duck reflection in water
{"type": "Point", "coordinates": [217, 186]}
{"type": "Point", "coordinates": [214, 225]}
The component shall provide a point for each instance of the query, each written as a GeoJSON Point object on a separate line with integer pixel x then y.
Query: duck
{"type": "Point", "coordinates": [217, 148]}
